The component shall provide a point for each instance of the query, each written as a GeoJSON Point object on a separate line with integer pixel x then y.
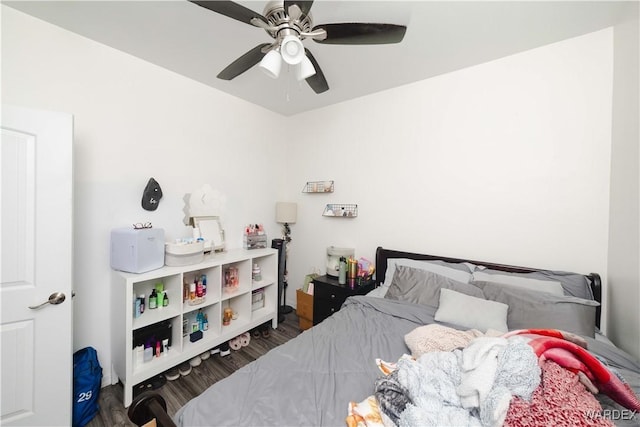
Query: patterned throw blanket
{"type": "Point", "coordinates": [569, 351]}
{"type": "Point", "coordinates": [525, 377]}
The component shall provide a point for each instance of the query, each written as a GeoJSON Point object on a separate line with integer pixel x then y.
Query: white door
{"type": "Point", "coordinates": [36, 262]}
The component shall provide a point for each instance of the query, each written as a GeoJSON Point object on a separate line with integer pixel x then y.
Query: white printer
{"type": "Point", "coordinates": [137, 250]}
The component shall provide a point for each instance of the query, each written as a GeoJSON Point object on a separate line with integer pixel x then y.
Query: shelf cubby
{"type": "Point", "coordinates": [270, 296]}
{"type": "Point", "coordinates": [268, 272]}
{"type": "Point", "coordinates": [145, 370]}
{"type": "Point", "coordinates": [150, 316]}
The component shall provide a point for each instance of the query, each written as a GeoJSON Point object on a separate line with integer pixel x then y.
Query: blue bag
{"type": "Point", "coordinates": [87, 379]}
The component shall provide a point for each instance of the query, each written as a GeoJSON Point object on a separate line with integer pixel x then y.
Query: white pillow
{"type": "Point", "coordinates": [471, 312]}
{"type": "Point", "coordinates": [538, 285]}
{"type": "Point", "coordinates": [452, 273]}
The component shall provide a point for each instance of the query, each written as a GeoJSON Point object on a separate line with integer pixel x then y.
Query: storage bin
{"type": "Point", "coordinates": [254, 241]}
{"type": "Point", "coordinates": [257, 299]}
{"type": "Point", "coordinates": [304, 309]}
{"type": "Point", "coordinates": [179, 254]}
{"type": "Point", "coordinates": [304, 324]}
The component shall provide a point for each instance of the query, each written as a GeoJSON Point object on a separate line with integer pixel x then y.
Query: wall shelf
{"type": "Point", "coordinates": [318, 187]}
{"type": "Point", "coordinates": [341, 210]}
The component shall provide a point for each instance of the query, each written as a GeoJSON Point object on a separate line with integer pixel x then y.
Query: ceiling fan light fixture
{"type": "Point", "coordinates": [271, 64]}
{"type": "Point", "coordinates": [288, 23]}
{"type": "Point", "coordinates": [305, 69]}
{"type": "Point", "coordinates": [292, 50]}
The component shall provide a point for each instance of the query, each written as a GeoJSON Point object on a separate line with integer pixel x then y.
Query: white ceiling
{"type": "Point", "coordinates": [441, 36]}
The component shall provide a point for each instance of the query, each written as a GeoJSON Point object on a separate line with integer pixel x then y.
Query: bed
{"type": "Point", "coordinates": [351, 367]}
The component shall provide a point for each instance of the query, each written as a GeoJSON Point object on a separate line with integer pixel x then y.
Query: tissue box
{"type": "Point", "coordinates": [179, 254]}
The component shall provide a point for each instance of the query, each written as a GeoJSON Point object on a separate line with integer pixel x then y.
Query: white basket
{"type": "Point", "coordinates": [179, 254]}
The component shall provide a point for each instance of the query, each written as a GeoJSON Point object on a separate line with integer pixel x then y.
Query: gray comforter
{"type": "Point", "coordinates": [309, 380]}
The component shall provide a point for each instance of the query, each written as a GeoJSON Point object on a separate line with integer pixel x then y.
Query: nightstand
{"type": "Point", "coordinates": [328, 295]}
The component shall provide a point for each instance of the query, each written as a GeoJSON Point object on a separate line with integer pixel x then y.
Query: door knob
{"type": "Point", "coordinates": [54, 299]}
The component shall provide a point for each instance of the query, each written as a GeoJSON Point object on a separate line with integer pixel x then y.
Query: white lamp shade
{"type": "Point", "coordinates": [292, 50]}
{"type": "Point", "coordinates": [271, 64]}
{"type": "Point", "coordinates": [305, 69]}
{"type": "Point", "coordinates": [286, 212]}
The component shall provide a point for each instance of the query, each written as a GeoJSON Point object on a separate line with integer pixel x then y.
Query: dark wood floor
{"type": "Point", "coordinates": [177, 393]}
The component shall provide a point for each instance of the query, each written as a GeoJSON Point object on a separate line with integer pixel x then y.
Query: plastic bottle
{"type": "Point", "coordinates": [342, 271]}
{"type": "Point", "coordinates": [136, 310]}
{"type": "Point", "coordinates": [141, 297]}
{"type": "Point", "coordinates": [204, 285]}
{"type": "Point", "coordinates": [205, 323]}
{"type": "Point", "coordinates": [200, 320]}
{"type": "Point", "coordinates": [192, 291]}
{"type": "Point", "coordinates": [165, 299]}
{"type": "Point", "coordinates": [199, 292]}
{"type": "Point", "coordinates": [153, 300]}
{"type": "Point", "coordinates": [256, 273]}
{"type": "Point", "coordinates": [147, 354]}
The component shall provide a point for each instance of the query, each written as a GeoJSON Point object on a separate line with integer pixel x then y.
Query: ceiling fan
{"type": "Point", "coordinates": [288, 23]}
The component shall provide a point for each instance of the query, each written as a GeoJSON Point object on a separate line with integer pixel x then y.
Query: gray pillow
{"type": "Point", "coordinates": [550, 286]}
{"type": "Point", "coordinates": [532, 309]}
{"type": "Point", "coordinates": [458, 272]}
{"type": "Point", "coordinates": [573, 284]}
{"type": "Point", "coordinates": [423, 287]}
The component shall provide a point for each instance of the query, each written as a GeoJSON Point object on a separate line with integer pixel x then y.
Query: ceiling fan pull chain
{"type": "Point", "coordinates": [288, 82]}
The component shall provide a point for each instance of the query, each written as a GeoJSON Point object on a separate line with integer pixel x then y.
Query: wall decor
{"type": "Point", "coordinates": [151, 195]}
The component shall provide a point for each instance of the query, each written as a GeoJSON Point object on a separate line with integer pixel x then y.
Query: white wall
{"type": "Point", "coordinates": [624, 229]}
{"type": "Point", "coordinates": [133, 121]}
{"type": "Point", "coordinates": [507, 161]}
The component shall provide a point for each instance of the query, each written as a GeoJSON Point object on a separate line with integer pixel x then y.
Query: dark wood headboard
{"type": "Point", "coordinates": [382, 255]}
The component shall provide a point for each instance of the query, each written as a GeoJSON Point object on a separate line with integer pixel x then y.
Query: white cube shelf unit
{"type": "Point", "coordinates": [127, 286]}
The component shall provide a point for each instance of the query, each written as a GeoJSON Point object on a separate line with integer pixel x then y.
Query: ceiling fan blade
{"type": "Point", "coordinates": [361, 33]}
{"type": "Point", "coordinates": [317, 82]}
{"type": "Point", "coordinates": [232, 10]}
{"type": "Point", "coordinates": [243, 63]}
{"type": "Point", "coordinates": [304, 5]}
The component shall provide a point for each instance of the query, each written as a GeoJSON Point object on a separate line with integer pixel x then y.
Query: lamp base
{"type": "Point", "coordinates": [285, 309]}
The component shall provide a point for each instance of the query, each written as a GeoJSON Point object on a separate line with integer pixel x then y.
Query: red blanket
{"type": "Point", "coordinates": [563, 348]}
